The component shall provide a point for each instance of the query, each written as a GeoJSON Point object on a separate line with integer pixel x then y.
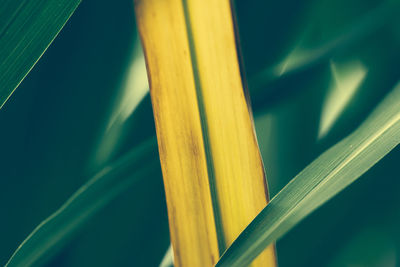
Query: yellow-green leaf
{"type": "Point", "coordinates": [213, 173]}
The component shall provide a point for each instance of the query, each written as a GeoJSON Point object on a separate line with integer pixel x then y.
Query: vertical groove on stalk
{"type": "Point", "coordinates": [206, 138]}
{"type": "Point", "coordinates": [238, 169]}
{"type": "Point", "coordinates": [212, 169]}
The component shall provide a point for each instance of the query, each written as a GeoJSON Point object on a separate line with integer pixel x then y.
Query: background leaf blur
{"type": "Point", "coordinates": [321, 180]}
{"type": "Point", "coordinates": [69, 118]}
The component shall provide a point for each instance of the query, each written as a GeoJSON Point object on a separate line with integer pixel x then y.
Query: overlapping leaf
{"type": "Point", "coordinates": [330, 173]}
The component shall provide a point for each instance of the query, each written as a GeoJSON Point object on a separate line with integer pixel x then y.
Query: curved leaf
{"type": "Point", "coordinates": [57, 229]}
{"type": "Point", "coordinates": [329, 174]}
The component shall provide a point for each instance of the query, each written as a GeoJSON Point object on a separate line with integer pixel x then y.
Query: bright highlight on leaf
{"type": "Point", "coordinates": [168, 259]}
{"type": "Point", "coordinates": [329, 174]}
{"type": "Point", "coordinates": [304, 54]}
{"type": "Point", "coordinates": [347, 77]}
{"type": "Point", "coordinates": [133, 89]}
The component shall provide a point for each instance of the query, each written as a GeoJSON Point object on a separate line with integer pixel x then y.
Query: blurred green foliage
{"type": "Point", "coordinates": [69, 118]}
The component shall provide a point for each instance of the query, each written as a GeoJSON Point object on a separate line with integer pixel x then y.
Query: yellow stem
{"type": "Point", "coordinates": [212, 169]}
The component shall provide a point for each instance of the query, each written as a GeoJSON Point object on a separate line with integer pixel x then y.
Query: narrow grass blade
{"type": "Point", "coordinates": [329, 174]}
{"type": "Point", "coordinates": [49, 236]}
{"type": "Point", "coordinates": [27, 28]}
{"type": "Point", "coordinates": [205, 134]}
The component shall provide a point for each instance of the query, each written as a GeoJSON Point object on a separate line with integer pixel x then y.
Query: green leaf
{"type": "Point", "coordinates": [329, 174]}
{"type": "Point", "coordinates": [56, 230]}
{"type": "Point", "coordinates": [307, 53]}
{"type": "Point", "coordinates": [27, 28]}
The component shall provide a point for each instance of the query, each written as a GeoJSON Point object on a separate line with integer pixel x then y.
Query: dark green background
{"type": "Point", "coordinates": [53, 124]}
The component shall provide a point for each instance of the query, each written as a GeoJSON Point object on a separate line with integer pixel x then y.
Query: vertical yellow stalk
{"type": "Point", "coordinates": [213, 173]}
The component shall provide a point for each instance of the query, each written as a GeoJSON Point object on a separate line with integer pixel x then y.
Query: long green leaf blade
{"type": "Point", "coordinates": [27, 28]}
{"type": "Point", "coordinates": [49, 236]}
{"type": "Point", "coordinates": [329, 174]}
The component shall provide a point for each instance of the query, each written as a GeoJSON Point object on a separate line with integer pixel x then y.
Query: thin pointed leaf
{"type": "Point", "coordinates": [27, 28]}
{"type": "Point", "coordinates": [329, 174]}
{"type": "Point", "coordinates": [49, 236]}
